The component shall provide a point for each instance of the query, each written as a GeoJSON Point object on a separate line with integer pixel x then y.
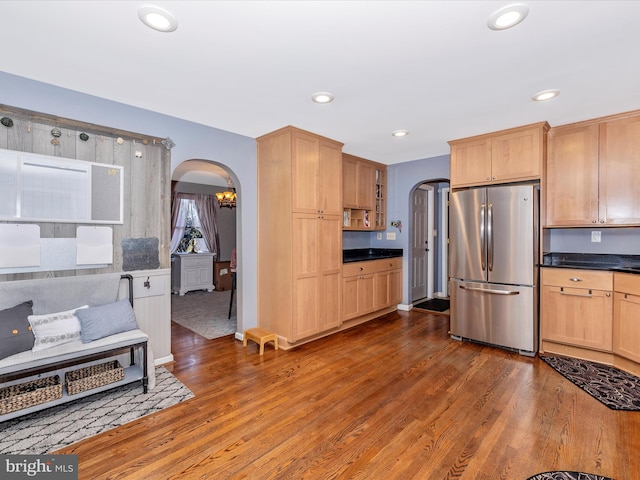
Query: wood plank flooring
{"type": "Point", "coordinates": [394, 398]}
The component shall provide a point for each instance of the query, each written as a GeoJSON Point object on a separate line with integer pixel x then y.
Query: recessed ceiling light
{"type": "Point", "coordinates": [157, 18]}
{"type": "Point", "coordinates": [545, 95]}
{"type": "Point", "coordinates": [400, 133]}
{"type": "Point", "coordinates": [322, 97]}
{"type": "Point", "coordinates": [507, 17]}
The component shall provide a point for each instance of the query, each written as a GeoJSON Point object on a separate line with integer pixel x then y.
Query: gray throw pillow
{"type": "Point", "coordinates": [15, 332]}
{"type": "Point", "coordinates": [105, 320]}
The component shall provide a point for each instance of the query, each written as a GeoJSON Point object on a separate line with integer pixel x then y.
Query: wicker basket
{"type": "Point", "coordinates": [25, 395]}
{"type": "Point", "coordinates": [93, 377]}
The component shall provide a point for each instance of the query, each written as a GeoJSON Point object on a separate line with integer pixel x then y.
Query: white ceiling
{"type": "Point", "coordinates": [431, 67]}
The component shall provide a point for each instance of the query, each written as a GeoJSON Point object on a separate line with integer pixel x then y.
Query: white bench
{"type": "Point", "coordinates": [29, 365]}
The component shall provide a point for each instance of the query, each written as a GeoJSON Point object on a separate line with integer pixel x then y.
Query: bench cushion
{"type": "Point", "coordinates": [67, 351]}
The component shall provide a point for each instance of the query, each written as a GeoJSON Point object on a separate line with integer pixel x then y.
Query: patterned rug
{"type": "Point", "coordinates": [51, 429]}
{"type": "Point", "coordinates": [568, 476]}
{"type": "Point", "coordinates": [205, 313]}
{"type": "Point", "coordinates": [616, 389]}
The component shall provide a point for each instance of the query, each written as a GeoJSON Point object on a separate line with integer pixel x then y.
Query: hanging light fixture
{"type": "Point", "coordinates": [227, 199]}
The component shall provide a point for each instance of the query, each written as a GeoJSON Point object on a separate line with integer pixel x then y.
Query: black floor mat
{"type": "Point", "coordinates": [615, 388]}
{"type": "Point", "coordinates": [568, 476]}
{"type": "Point", "coordinates": [435, 305]}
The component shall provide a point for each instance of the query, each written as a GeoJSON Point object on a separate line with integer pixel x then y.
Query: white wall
{"type": "Point", "coordinates": [193, 141]}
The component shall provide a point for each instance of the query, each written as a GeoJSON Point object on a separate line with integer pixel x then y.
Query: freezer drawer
{"type": "Point", "coordinates": [503, 315]}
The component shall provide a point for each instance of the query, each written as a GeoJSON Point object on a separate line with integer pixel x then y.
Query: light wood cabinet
{"type": "Point", "coordinates": [577, 308]}
{"type": "Point", "coordinates": [300, 232]}
{"type": "Point", "coordinates": [507, 156]}
{"type": "Point", "coordinates": [593, 172]}
{"type": "Point", "coordinates": [364, 194]}
{"type": "Point", "coordinates": [626, 316]}
{"type": "Point", "coordinates": [371, 286]}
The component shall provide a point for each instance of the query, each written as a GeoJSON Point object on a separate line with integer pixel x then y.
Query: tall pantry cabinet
{"type": "Point", "coordinates": [299, 234]}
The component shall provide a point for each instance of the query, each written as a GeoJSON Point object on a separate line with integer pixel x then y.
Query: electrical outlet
{"type": "Point", "coordinates": [596, 236]}
{"type": "Point", "coordinates": [391, 235]}
{"type": "Point", "coordinates": [379, 236]}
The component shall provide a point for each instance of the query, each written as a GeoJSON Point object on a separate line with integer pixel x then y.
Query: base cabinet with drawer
{"type": "Point", "coordinates": [191, 271]}
{"type": "Point", "coordinates": [577, 308]}
{"type": "Point", "coordinates": [370, 286]}
{"type": "Point", "coordinates": [593, 315]}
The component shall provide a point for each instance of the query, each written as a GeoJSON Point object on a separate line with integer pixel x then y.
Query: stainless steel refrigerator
{"type": "Point", "coordinates": [493, 240]}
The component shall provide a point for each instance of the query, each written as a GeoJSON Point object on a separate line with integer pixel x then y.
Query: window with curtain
{"type": "Point", "coordinates": [191, 211]}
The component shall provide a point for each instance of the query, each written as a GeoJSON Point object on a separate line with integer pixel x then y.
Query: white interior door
{"type": "Point", "coordinates": [422, 243]}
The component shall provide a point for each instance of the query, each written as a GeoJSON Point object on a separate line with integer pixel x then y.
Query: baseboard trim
{"type": "Point", "coordinates": [163, 360]}
{"type": "Point", "coordinates": [239, 336]}
{"type": "Point", "coordinates": [404, 307]}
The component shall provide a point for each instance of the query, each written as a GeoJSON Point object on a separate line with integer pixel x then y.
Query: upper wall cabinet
{"type": "Point", "coordinates": [510, 155]}
{"type": "Point", "coordinates": [593, 173]}
{"type": "Point", "coordinates": [364, 194]}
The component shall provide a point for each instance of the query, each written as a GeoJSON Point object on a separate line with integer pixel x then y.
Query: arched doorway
{"type": "Point", "coordinates": [209, 314]}
{"type": "Point", "coordinates": [428, 257]}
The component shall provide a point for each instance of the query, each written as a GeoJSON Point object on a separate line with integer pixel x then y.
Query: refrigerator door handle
{"type": "Point", "coordinates": [491, 291]}
{"type": "Point", "coordinates": [483, 243]}
{"type": "Point", "coordinates": [490, 236]}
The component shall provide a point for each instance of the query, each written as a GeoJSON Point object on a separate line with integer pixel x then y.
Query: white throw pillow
{"type": "Point", "coordinates": [54, 329]}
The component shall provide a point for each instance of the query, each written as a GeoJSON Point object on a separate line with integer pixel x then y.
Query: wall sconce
{"type": "Point", "coordinates": [397, 224]}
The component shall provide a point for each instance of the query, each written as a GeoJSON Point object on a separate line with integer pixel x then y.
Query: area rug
{"type": "Point", "coordinates": [568, 476]}
{"type": "Point", "coordinates": [56, 427]}
{"type": "Point", "coordinates": [616, 389]}
{"type": "Point", "coordinates": [434, 305]}
{"type": "Point", "coordinates": [205, 313]}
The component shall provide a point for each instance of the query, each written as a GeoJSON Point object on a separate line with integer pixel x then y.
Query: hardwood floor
{"type": "Point", "coordinates": [394, 398]}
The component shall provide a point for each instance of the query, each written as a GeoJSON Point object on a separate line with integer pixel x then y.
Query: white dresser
{"type": "Point", "coordinates": [191, 271]}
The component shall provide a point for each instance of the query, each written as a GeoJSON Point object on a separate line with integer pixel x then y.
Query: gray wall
{"type": "Point", "coordinates": [193, 142]}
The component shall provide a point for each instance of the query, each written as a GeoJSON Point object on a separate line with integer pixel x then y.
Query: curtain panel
{"type": "Point", "coordinates": [206, 207]}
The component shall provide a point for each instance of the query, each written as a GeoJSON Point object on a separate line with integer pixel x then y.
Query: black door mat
{"type": "Point", "coordinates": [568, 476]}
{"type": "Point", "coordinates": [615, 388]}
{"type": "Point", "coordinates": [435, 305]}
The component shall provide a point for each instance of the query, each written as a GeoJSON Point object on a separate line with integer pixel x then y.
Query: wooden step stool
{"type": "Point", "coordinates": [261, 337]}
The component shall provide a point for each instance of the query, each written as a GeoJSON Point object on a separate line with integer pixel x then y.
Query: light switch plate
{"type": "Point", "coordinates": [391, 235]}
{"type": "Point", "coordinates": [379, 236]}
{"type": "Point", "coordinates": [596, 236]}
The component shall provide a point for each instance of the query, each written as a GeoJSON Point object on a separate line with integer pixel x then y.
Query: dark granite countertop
{"type": "Point", "coordinates": [593, 261]}
{"type": "Point", "coordinates": [363, 254]}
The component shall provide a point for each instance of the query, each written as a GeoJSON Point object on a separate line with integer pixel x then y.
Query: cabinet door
{"type": "Point", "coordinates": [306, 276]}
{"type": "Point", "coordinates": [620, 171]}
{"type": "Point", "coordinates": [576, 316]}
{"type": "Point", "coordinates": [330, 257]}
{"type": "Point", "coordinates": [350, 297]}
{"type": "Point", "coordinates": [626, 326]}
{"type": "Point", "coordinates": [305, 184]}
{"type": "Point", "coordinates": [366, 289]}
{"type": "Point", "coordinates": [350, 182]}
{"type": "Point", "coordinates": [572, 176]}
{"type": "Point", "coordinates": [366, 185]}
{"type": "Point", "coordinates": [470, 163]}
{"type": "Point", "coordinates": [330, 178]}
{"type": "Point", "coordinates": [381, 290]}
{"type": "Point", "coordinates": [516, 156]}
{"type": "Point", "coordinates": [395, 287]}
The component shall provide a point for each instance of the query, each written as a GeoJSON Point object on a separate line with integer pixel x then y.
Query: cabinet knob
{"type": "Point", "coordinates": [493, 178]}
{"type": "Point", "coordinates": [575, 279]}
{"type": "Point", "coordinates": [608, 294]}
{"type": "Point", "coordinates": [601, 221]}
{"type": "Point", "coordinates": [594, 221]}
{"type": "Point", "coordinates": [360, 269]}
{"type": "Point", "coordinates": [488, 178]}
